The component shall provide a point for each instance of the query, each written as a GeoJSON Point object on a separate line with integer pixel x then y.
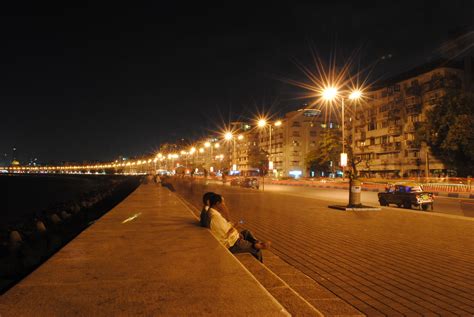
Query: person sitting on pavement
{"type": "Point", "coordinates": [204, 218]}
{"type": "Point", "coordinates": [228, 235]}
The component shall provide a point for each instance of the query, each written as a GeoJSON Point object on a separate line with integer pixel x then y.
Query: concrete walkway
{"type": "Point", "coordinates": [147, 256]}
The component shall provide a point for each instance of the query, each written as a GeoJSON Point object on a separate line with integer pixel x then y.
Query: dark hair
{"type": "Point", "coordinates": [214, 199]}
{"type": "Point", "coordinates": [207, 197]}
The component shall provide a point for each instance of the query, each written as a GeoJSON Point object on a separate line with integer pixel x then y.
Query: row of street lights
{"type": "Point", "coordinates": [328, 94]}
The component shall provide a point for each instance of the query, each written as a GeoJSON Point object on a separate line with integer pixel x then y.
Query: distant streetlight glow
{"type": "Point", "coordinates": [355, 95]}
{"type": "Point", "coordinates": [217, 145]}
{"type": "Point", "coordinates": [207, 144]}
{"type": "Point", "coordinates": [278, 123]}
{"type": "Point", "coordinates": [240, 137]}
{"type": "Point", "coordinates": [201, 150]}
{"type": "Point", "coordinates": [228, 136]}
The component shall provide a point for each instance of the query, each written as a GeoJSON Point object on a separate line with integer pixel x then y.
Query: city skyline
{"type": "Point", "coordinates": [126, 81]}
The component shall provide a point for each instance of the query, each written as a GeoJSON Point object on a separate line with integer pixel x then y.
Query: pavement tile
{"type": "Point", "coordinates": [386, 258]}
{"type": "Point", "coordinates": [313, 292]}
{"type": "Point", "coordinates": [334, 307]}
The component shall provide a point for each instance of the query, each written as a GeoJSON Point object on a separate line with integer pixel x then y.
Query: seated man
{"type": "Point", "coordinates": [227, 234]}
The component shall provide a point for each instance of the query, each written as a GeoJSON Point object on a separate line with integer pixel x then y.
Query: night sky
{"type": "Point", "coordinates": [93, 82]}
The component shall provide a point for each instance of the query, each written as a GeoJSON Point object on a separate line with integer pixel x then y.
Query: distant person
{"type": "Point", "coordinates": [228, 235]}
{"type": "Point", "coordinates": [157, 179]}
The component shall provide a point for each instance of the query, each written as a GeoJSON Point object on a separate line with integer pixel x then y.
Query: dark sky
{"type": "Point", "coordinates": [97, 81]}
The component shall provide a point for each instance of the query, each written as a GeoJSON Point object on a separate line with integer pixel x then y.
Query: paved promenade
{"type": "Point", "coordinates": [384, 263]}
{"type": "Point", "coordinates": [147, 256]}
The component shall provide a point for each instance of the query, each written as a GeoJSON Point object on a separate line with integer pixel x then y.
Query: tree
{"type": "Point", "coordinates": [258, 158]}
{"type": "Point", "coordinates": [327, 152]}
{"type": "Point", "coordinates": [449, 131]}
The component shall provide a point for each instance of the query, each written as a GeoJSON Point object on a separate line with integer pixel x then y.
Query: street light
{"type": "Point", "coordinates": [355, 95]}
{"type": "Point", "coordinates": [331, 93]}
{"type": "Point", "coordinates": [262, 123]}
{"type": "Point", "coordinates": [230, 136]}
{"type": "Point", "coordinates": [211, 158]}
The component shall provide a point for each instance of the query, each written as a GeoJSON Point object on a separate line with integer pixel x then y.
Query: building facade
{"type": "Point", "coordinates": [383, 132]}
{"type": "Point", "coordinates": [292, 140]}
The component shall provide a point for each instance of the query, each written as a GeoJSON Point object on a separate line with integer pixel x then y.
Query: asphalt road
{"type": "Point", "coordinates": [391, 262]}
{"type": "Point", "coordinates": [443, 205]}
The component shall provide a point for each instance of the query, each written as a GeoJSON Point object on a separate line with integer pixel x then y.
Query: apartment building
{"type": "Point", "coordinates": [292, 140]}
{"type": "Point", "coordinates": [384, 127]}
{"type": "Point", "coordinates": [246, 141]}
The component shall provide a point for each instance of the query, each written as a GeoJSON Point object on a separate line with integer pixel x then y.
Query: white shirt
{"type": "Point", "coordinates": [222, 229]}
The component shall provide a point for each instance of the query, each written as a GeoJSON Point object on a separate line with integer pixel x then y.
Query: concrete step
{"type": "Point", "coordinates": [298, 293]}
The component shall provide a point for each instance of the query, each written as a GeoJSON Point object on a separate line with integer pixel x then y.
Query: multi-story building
{"type": "Point", "coordinates": [384, 127]}
{"type": "Point", "coordinates": [246, 140]}
{"type": "Point", "coordinates": [292, 140]}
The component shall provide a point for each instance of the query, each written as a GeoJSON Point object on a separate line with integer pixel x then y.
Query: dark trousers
{"type": "Point", "coordinates": [246, 245]}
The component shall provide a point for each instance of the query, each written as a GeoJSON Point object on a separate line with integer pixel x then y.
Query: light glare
{"type": "Point", "coordinates": [329, 93]}
{"type": "Point", "coordinates": [355, 95]}
{"type": "Point", "coordinates": [228, 136]}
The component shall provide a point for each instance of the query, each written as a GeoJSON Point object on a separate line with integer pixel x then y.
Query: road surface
{"type": "Point", "coordinates": [444, 205]}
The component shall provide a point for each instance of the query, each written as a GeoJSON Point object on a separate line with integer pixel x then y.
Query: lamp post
{"type": "Point", "coordinates": [240, 138]}
{"type": "Point", "coordinates": [209, 145]}
{"type": "Point", "coordinates": [192, 151]}
{"type": "Point", "coordinates": [331, 93]}
{"type": "Point", "coordinates": [230, 136]}
{"type": "Point", "coordinates": [263, 123]}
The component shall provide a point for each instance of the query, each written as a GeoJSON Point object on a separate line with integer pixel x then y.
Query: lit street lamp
{"type": "Point", "coordinates": [331, 93]}
{"type": "Point", "coordinates": [262, 123]}
{"type": "Point", "coordinates": [230, 136]}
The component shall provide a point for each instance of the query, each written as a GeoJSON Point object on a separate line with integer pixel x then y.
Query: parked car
{"type": "Point", "coordinates": [250, 182]}
{"type": "Point", "coordinates": [235, 181]}
{"type": "Point", "coordinates": [247, 182]}
{"type": "Point", "coordinates": [406, 196]}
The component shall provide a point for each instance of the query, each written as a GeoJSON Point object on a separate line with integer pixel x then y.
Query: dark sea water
{"type": "Point", "coordinates": [24, 196]}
